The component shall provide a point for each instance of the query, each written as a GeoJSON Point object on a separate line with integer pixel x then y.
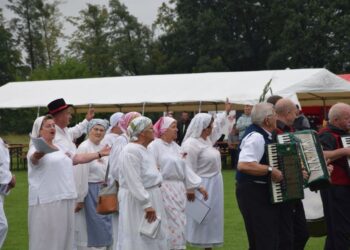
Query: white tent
{"type": "Point", "coordinates": [192, 92]}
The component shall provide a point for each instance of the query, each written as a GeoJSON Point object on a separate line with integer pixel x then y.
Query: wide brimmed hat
{"type": "Point", "coordinates": [57, 106]}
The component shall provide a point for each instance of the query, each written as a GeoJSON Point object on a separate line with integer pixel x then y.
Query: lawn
{"type": "Point", "coordinates": [16, 205]}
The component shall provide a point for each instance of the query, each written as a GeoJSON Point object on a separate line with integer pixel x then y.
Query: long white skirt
{"type": "Point", "coordinates": [131, 214]}
{"type": "Point", "coordinates": [174, 198]}
{"type": "Point", "coordinates": [3, 222]}
{"type": "Point", "coordinates": [51, 225]}
{"type": "Point", "coordinates": [210, 233]}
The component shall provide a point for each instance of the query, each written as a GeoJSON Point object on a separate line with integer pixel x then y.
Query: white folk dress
{"type": "Point", "coordinates": [93, 172]}
{"type": "Point", "coordinates": [139, 181]}
{"type": "Point", "coordinates": [52, 196]}
{"type": "Point", "coordinates": [112, 140]}
{"type": "Point", "coordinates": [205, 161]}
{"type": "Point", "coordinates": [177, 177]}
{"type": "Point", "coordinates": [5, 178]}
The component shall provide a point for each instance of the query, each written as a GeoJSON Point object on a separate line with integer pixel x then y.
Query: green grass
{"type": "Point", "coordinates": [16, 208]}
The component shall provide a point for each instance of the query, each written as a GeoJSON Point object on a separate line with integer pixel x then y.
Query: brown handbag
{"type": "Point", "coordinates": [107, 202]}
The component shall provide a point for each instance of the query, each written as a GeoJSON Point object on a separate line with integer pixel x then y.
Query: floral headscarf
{"type": "Point", "coordinates": [162, 125]}
{"type": "Point", "coordinates": [126, 119]}
{"type": "Point", "coordinates": [137, 125]}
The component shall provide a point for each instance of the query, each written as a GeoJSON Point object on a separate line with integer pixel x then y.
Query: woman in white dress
{"type": "Point", "coordinates": [205, 161]}
{"type": "Point", "coordinates": [52, 191]}
{"type": "Point", "coordinates": [118, 144]}
{"type": "Point", "coordinates": [93, 231]}
{"type": "Point", "coordinates": [177, 178]}
{"type": "Point", "coordinates": [114, 130]}
{"type": "Point", "coordinates": [140, 199]}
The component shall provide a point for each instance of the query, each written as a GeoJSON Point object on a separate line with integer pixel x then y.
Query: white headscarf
{"type": "Point", "coordinates": [199, 122]}
{"type": "Point", "coordinates": [36, 128]}
{"type": "Point", "coordinates": [114, 120]}
{"type": "Point", "coordinates": [137, 125]}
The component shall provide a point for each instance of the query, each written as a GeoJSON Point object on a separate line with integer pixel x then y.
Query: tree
{"type": "Point", "coordinates": [26, 26]}
{"type": "Point", "coordinates": [37, 28]}
{"type": "Point", "coordinates": [9, 55]}
{"type": "Point", "coordinates": [90, 42]}
{"type": "Point", "coordinates": [130, 41]}
{"type": "Point", "coordinates": [252, 35]}
{"type": "Point", "coordinates": [49, 16]}
{"type": "Point", "coordinates": [67, 68]}
{"type": "Point", "coordinates": [315, 35]}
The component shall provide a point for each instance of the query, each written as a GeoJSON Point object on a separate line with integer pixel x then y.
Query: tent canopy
{"type": "Point", "coordinates": [178, 92]}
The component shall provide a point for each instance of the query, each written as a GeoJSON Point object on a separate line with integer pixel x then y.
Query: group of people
{"type": "Point", "coordinates": [155, 176]}
{"type": "Point", "coordinates": [283, 225]}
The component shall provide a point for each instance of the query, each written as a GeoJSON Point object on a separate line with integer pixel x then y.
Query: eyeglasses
{"type": "Point", "coordinates": [48, 126]}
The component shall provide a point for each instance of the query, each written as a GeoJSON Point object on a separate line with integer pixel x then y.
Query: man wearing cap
{"type": "Point", "coordinates": [62, 116]}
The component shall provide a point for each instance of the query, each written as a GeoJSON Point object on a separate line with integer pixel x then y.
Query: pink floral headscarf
{"type": "Point", "coordinates": [162, 125]}
{"type": "Point", "coordinates": [126, 119]}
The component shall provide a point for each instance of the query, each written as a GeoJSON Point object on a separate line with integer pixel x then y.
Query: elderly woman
{"type": "Point", "coordinates": [114, 130]}
{"type": "Point", "coordinates": [177, 178]}
{"type": "Point", "coordinates": [118, 144]}
{"type": "Point", "coordinates": [140, 198]}
{"type": "Point", "coordinates": [205, 161]}
{"type": "Point", "coordinates": [90, 178]}
{"type": "Point", "coordinates": [52, 191]}
{"type": "Point", "coordinates": [121, 142]}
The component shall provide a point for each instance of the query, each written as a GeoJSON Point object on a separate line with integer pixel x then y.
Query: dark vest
{"type": "Point", "coordinates": [242, 177]}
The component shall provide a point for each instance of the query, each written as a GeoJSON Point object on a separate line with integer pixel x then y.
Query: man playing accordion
{"type": "Point", "coordinates": [261, 217]}
{"type": "Point", "coordinates": [336, 199]}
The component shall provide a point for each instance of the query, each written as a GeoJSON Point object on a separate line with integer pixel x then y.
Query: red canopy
{"type": "Point", "coordinates": [345, 76]}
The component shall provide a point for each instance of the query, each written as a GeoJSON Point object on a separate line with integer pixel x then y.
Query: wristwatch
{"type": "Point", "coordinates": [269, 170]}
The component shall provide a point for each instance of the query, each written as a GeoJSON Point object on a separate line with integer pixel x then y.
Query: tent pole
{"type": "Point", "coordinates": [143, 108]}
{"type": "Point", "coordinates": [38, 112]}
{"type": "Point", "coordinates": [200, 107]}
{"type": "Point", "coordinates": [324, 109]}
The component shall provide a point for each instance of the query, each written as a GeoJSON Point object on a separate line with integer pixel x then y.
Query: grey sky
{"type": "Point", "coordinates": [144, 10]}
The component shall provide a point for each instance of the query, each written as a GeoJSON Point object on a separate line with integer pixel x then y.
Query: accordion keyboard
{"type": "Point", "coordinates": [284, 157]}
{"type": "Point", "coordinates": [346, 144]}
{"type": "Point", "coordinates": [273, 161]}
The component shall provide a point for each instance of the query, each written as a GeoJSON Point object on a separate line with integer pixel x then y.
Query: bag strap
{"type": "Point", "coordinates": [107, 172]}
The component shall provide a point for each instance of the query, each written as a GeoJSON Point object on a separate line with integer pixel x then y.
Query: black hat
{"type": "Point", "coordinates": [57, 105]}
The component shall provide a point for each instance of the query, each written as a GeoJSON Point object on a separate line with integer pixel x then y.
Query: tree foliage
{"type": "Point", "coordinates": [9, 55]}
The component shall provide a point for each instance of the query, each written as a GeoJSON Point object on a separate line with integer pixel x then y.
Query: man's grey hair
{"type": "Point", "coordinates": [337, 111]}
{"type": "Point", "coordinates": [260, 111]}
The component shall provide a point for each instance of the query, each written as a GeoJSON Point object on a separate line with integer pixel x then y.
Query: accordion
{"type": "Point", "coordinates": [345, 139]}
{"type": "Point", "coordinates": [285, 158]}
{"type": "Point", "coordinates": [311, 155]}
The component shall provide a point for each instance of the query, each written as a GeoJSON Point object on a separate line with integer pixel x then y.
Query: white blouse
{"type": "Point", "coordinates": [52, 179]}
{"type": "Point", "coordinates": [171, 163]}
{"type": "Point", "coordinates": [109, 139]}
{"type": "Point", "coordinates": [201, 156]}
{"type": "Point", "coordinates": [5, 174]}
{"type": "Point", "coordinates": [116, 149]}
{"type": "Point", "coordinates": [97, 168]}
{"type": "Point", "coordinates": [64, 137]}
{"type": "Point", "coordinates": [138, 171]}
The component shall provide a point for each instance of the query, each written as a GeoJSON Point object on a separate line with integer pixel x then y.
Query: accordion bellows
{"type": "Point", "coordinates": [311, 157]}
